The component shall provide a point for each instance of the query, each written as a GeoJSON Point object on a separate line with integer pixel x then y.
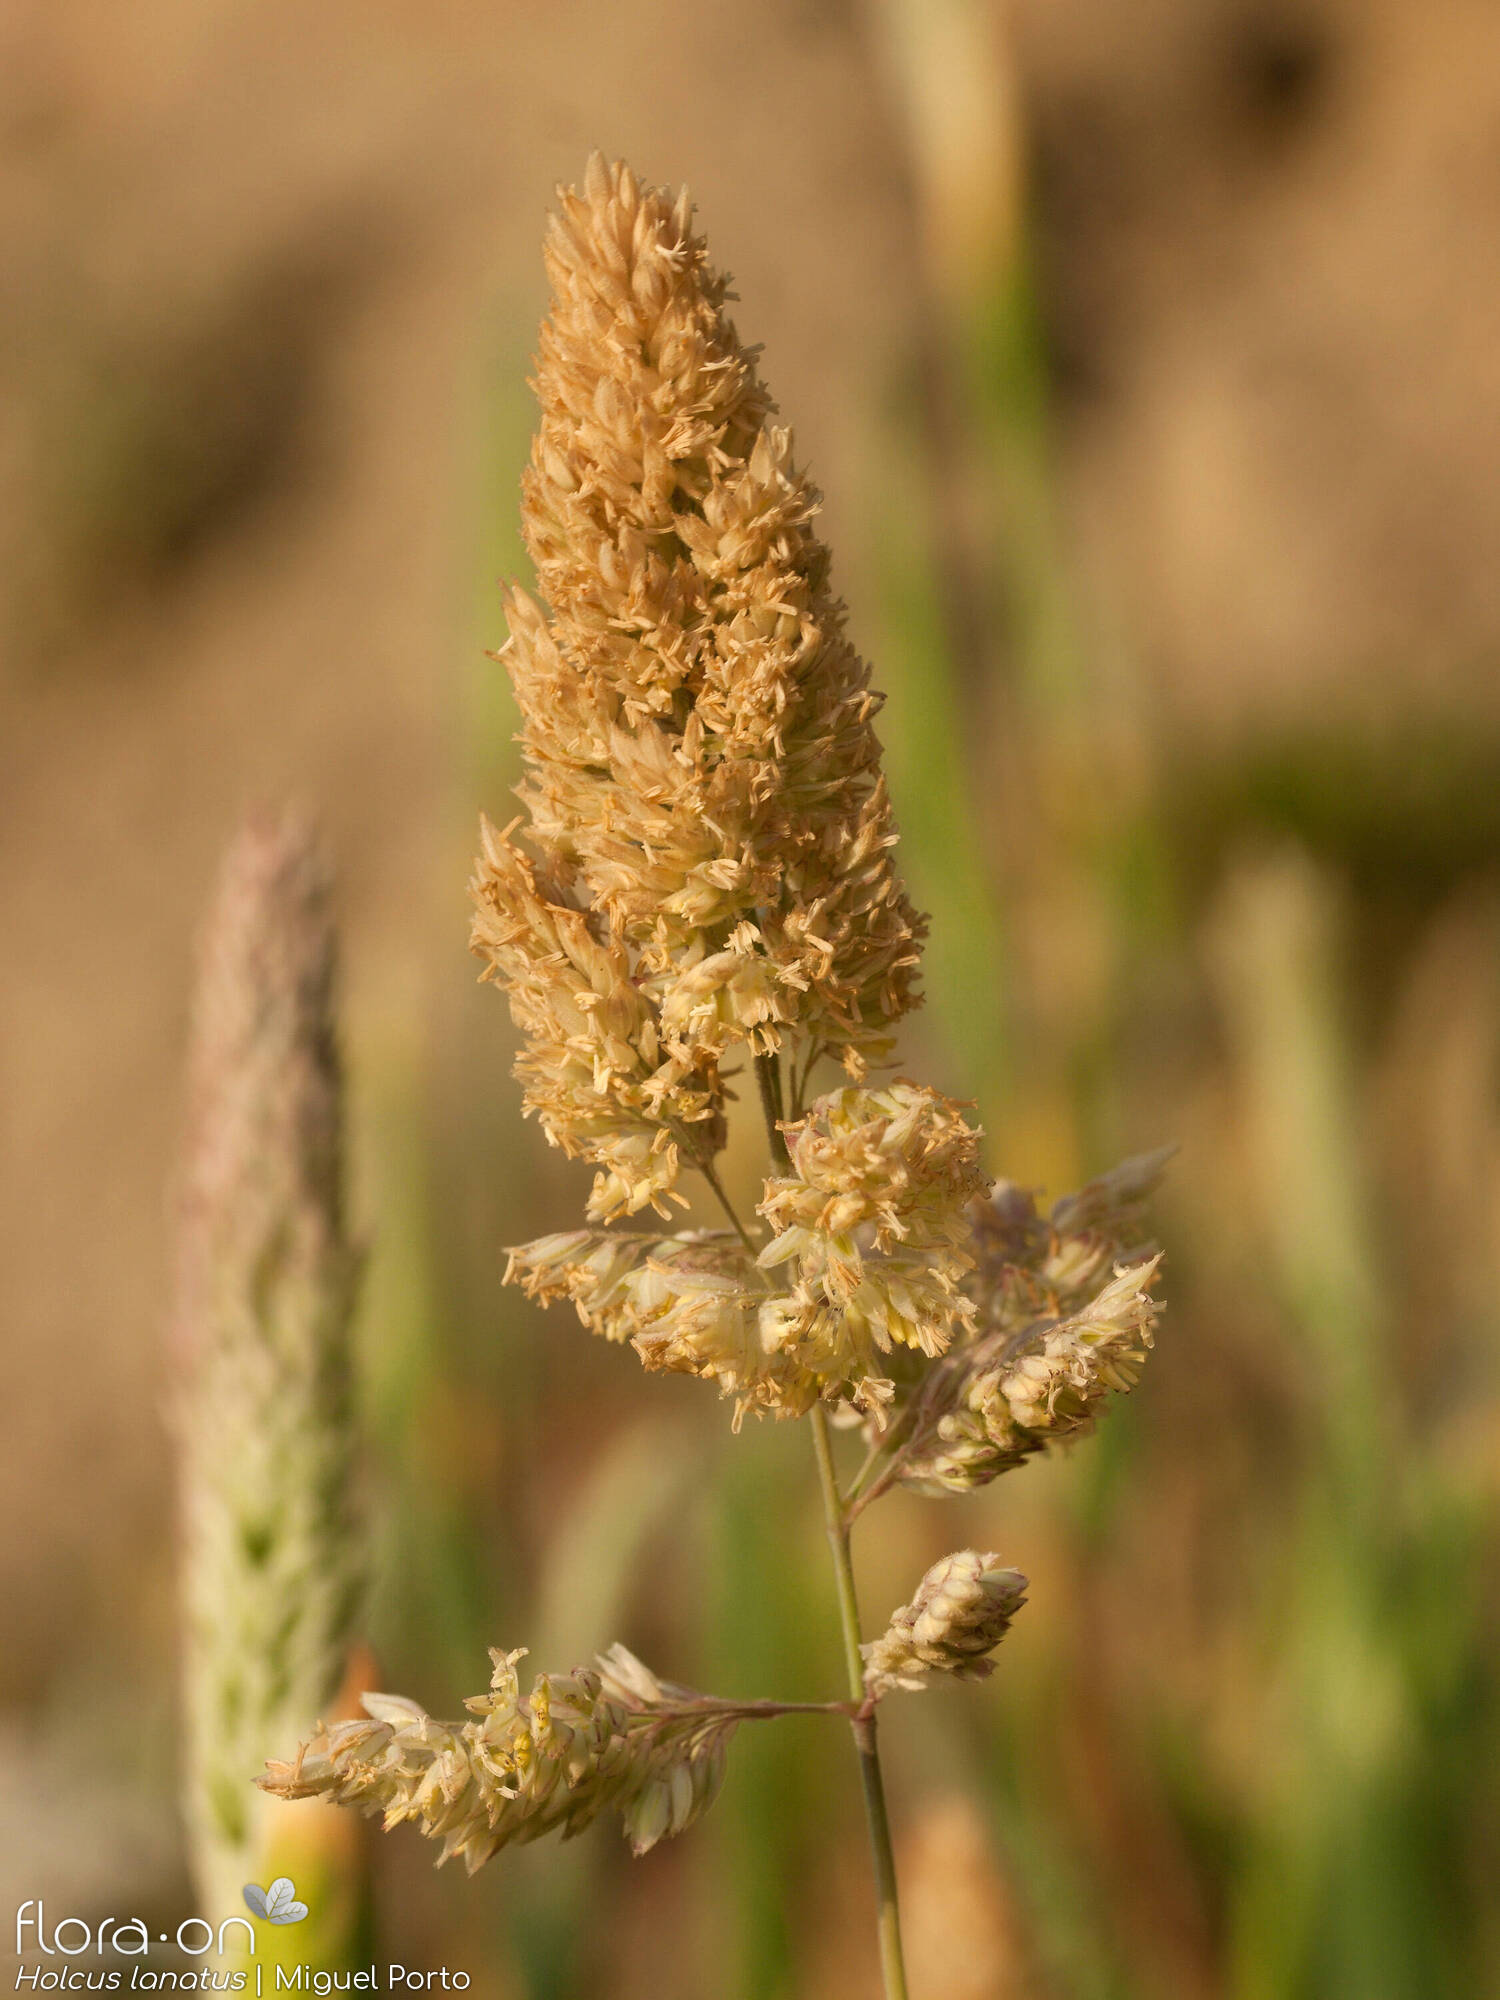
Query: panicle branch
{"type": "Point", "coordinates": [577, 1745]}
{"type": "Point", "coordinates": [865, 1260]}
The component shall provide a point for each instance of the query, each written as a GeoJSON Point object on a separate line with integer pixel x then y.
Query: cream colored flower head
{"type": "Point", "coordinates": [705, 859]}
{"type": "Point", "coordinates": [529, 1764]}
{"type": "Point", "coordinates": [870, 1228]}
{"type": "Point", "coordinates": [961, 1611]}
{"type": "Point", "coordinates": [1065, 1313]}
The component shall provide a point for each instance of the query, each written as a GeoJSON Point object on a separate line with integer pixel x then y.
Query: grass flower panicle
{"type": "Point", "coordinates": [701, 885]}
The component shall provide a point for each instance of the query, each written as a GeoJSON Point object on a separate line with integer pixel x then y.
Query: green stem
{"type": "Point", "coordinates": [862, 1716]}
{"type": "Point", "coordinates": [751, 1711]}
{"type": "Point", "coordinates": [862, 1722]}
{"type": "Point", "coordinates": [768, 1077]}
{"type": "Point", "coordinates": [882, 1463]}
{"type": "Point", "coordinates": [800, 1083]}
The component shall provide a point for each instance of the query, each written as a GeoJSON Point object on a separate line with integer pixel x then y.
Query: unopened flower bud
{"type": "Point", "coordinates": [961, 1611]}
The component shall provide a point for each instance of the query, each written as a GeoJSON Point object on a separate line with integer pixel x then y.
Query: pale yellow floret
{"type": "Point", "coordinates": [704, 873]}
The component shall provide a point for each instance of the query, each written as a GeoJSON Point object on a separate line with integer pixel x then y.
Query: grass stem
{"type": "Point", "coordinates": [711, 1176]}
{"type": "Point", "coordinates": [888, 1914]}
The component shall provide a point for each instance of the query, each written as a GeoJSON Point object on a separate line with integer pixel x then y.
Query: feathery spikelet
{"type": "Point", "coordinates": [551, 1761]}
{"type": "Point", "coordinates": [872, 1219]}
{"type": "Point", "coordinates": [1032, 1267]}
{"type": "Point", "coordinates": [1011, 1395]}
{"type": "Point", "coordinates": [594, 1066]}
{"type": "Point", "coordinates": [689, 1304]}
{"type": "Point", "coordinates": [260, 1391]}
{"type": "Point", "coordinates": [1065, 1317]}
{"type": "Point", "coordinates": [960, 1612]}
{"type": "Point", "coordinates": [703, 787]}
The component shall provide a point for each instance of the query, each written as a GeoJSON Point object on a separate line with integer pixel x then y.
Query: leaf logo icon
{"type": "Point", "coordinates": [278, 1904]}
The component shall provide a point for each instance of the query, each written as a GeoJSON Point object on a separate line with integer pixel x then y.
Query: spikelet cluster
{"type": "Point", "coordinates": [260, 1390]}
{"type": "Point", "coordinates": [870, 1227]}
{"type": "Point", "coordinates": [1064, 1318]}
{"type": "Point", "coordinates": [960, 1612]}
{"type": "Point", "coordinates": [1032, 1266]}
{"type": "Point", "coordinates": [690, 1304]}
{"type": "Point", "coordinates": [596, 1070]}
{"type": "Point", "coordinates": [705, 859]}
{"type": "Point", "coordinates": [549, 1761]}
{"type": "Point", "coordinates": [866, 1256]}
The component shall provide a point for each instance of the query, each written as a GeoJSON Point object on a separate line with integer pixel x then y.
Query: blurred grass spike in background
{"type": "Point", "coordinates": [261, 1395]}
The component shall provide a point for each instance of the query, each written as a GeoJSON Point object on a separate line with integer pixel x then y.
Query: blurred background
{"type": "Point", "coordinates": [1150, 360]}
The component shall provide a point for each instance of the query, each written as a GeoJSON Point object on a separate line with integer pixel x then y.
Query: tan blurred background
{"type": "Point", "coordinates": [1149, 357]}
